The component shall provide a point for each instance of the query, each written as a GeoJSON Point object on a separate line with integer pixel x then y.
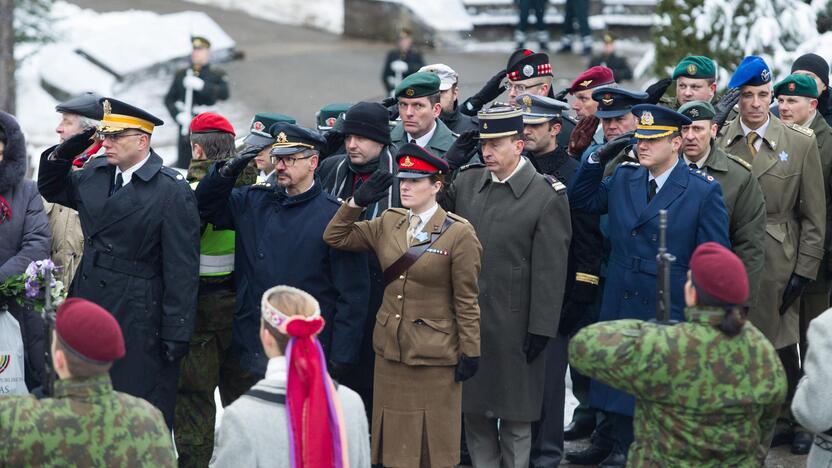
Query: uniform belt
{"type": "Point", "coordinates": [216, 263]}
{"type": "Point", "coordinates": [779, 218]}
{"type": "Point", "coordinates": [642, 265]}
{"type": "Point", "coordinates": [120, 265]}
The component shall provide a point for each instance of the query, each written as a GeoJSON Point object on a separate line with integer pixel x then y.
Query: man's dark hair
{"type": "Point", "coordinates": [434, 99]}
{"type": "Point", "coordinates": [80, 367]}
{"type": "Point", "coordinates": [216, 145]}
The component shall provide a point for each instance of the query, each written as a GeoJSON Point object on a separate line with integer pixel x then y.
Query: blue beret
{"type": "Point", "coordinates": [752, 71]}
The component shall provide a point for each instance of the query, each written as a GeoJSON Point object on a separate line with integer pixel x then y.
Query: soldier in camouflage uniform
{"type": "Point", "coordinates": [708, 390]}
{"type": "Point", "coordinates": [87, 423]}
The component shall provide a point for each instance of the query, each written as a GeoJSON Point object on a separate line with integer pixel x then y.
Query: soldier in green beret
{"type": "Point", "coordinates": [740, 190]}
{"type": "Point", "coordinates": [695, 77]}
{"type": "Point", "coordinates": [797, 98]}
{"type": "Point", "coordinates": [419, 110]}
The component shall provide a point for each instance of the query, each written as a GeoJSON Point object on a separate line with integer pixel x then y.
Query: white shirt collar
{"type": "Point", "coordinates": [425, 216]}
{"type": "Point", "coordinates": [516, 169]}
{"type": "Point", "coordinates": [661, 179]}
{"type": "Point", "coordinates": [424, 139]}
{"type": "Point", "coordinates": [760, 131]}
{"type": "Point", "coordinates": [277, 369]}
{"type": "Point", "coordinates": [699, 163]}
{"type": "Point", "coordinates": [128, 174]}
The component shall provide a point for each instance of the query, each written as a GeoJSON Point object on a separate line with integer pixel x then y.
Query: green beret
{"type": "Point", "coordinates": [695, 66]}
{"type": "Point", "coordinates": [419, 84]}
{"type": "Point", "coordinates": [797, 85]}
{"type": "Point", "coordinates": [698, 110]}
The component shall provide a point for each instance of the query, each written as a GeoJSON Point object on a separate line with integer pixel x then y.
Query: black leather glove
{"type": "Point", "coordinates": [797, 284]}
{"type": "Point", "coordinates": [534, 345]}
{"type": "Point", "coordinates": [74, 145]}
{"type": "Point", "coordinates": [656, 90]}
{"type": "Point", "coordinates": [334, 141]}
{"type": "Point", "coordinates": [337, 370]}
{"type": "Point", "coordinates": [173, 350]}
{"type": "Point", "coordinates": [466, 367]}
{"type": "Point", "coordinates": [389, 102]}
{"type": "Point", "coordinates": [461, 151]}
{"type": "Point", "coordinates": [374, 189]}
{"type": "Point", "coordinates": [561, 95]}
{"type": "Point", "coordinates": [235, 166]}
{"type": "Point", "coordinates": [489, 92]}
{"type": "Point", "coordinates": [582, 135]}
{"type": "Point", "coordinates": [613, 147]}
{"type": "Point", "coordinates": [724, 105]}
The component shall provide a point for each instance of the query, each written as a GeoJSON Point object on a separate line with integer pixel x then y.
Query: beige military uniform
{"type": "Point", "coordinates": [787, 166]}
{"type": "Point", "coordinates": [67, 239]}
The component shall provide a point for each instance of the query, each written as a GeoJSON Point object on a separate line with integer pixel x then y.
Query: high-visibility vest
{"type": "Point", "coordinates": [216, 250]}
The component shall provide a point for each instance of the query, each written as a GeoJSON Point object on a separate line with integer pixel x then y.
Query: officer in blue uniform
{"type": "Point", "coordinates": [279, 240]}
{"type": "Point", "coordinates": [632, 197]}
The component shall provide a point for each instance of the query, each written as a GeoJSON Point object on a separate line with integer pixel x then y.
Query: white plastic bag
{"type": "Point", "coordinates": [12, 378]}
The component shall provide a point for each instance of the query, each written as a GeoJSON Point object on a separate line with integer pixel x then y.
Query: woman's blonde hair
{"type": "Point", "coordinates": [290, 302]}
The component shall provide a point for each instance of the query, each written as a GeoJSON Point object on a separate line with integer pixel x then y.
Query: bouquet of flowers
{"type": "Point", "coordinates": [29, 287]}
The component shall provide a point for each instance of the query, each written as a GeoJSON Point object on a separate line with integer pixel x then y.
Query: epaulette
{"type": "Point", "coordinates": [800, 128]}
{"type": "Point", "coordinates": [457, 217]}
{"type": "Point", "coordinates": [702, 174]}
{"type": "Point", "coordinates": [632, 164]}
{"type": "Point", "coordinates": [742, 162]}
{"type": "Point", "coordinates": [555, 183]}
{"type": "Point", "coordinates": [173, 174]}
{"type": "Point", "coordinates": [262, 186]}
{"type": "Point", "coordinates": [470, 166]}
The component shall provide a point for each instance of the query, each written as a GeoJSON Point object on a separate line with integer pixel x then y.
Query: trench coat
{"type": "Point", "coordinates": [525, 230]}
{"type": "Point", "coordinates": [140, 262]}
{"type": "Point", "coordinates": [438, 145]}
{"type": "Point", "coordinates": [788, 167]}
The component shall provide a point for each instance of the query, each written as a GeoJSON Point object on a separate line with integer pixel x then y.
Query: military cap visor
{"type": "Point", "coordinates": [86, 105]}
{"type": "Point", "coordinates": [291, 139]}
{"type": "Point", "coordinates": [657, 121]}
{"type": "Point", "coordinates": [615, 102]}
{"type": "Point", "coordinates": [120, 116]}
{"type": "Point", "coordinates": [259, 128]}
{"type": "Point", "coordinates": [415, 162]}
{"type": "Point", "coordinates": [539, 109]}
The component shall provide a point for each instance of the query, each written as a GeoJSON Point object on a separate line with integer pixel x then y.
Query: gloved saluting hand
{"type": "Point", "coordinates": [462, 150]}
{"type": "Point", "coordinates": [489, 92]}
{"type": "Point", "coordinates": [613, 147]}
{"type": "Point", "coordinates": [656, 90]}
{"type": "Point", "coordinates": [582, 135]}
{"type": "Point", "coordinates": [561, 95]}
{"type": "Point", "coordinates": [74, 145]}
{"type": "Point", "coordinates": [236, 166]}
{"type": "Point", "coordinates": [374, 189]}
{"type": "Point", "coordinates": [724, 105]}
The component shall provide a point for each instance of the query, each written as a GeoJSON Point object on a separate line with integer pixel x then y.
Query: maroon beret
{"type": "Point", "coordinates": [592, 78]}
{"type": "Point", "coordinates": [89, 330]}
{"type": "Point", "coordinates": [719, 273]}
{"type": "Point", "coordinates": [210, 122]}
{"type": "Point", "coordinates": [524, 64]}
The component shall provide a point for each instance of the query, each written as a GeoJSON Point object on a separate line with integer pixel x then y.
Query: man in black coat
{"type": "Point", "coordinates": [541, 125]}
{"type": "Point", "coordinates": [400, 62]}
{"type": "Point", "coordinates": [141, 258]}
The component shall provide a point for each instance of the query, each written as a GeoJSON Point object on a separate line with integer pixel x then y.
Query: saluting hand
{"type": "Point", "coordinates": [374, 189]}
{"type": "Point", "coordinates": [656, 90]}
{"type": "Point", "coordinates": [74, 145]}
{"type": "Point", "coordinates": [724, 105]}
{"type": "Point", "coordinates": [236, 166]}
{"type": "Point", "coordinates": [613, 147]}
{"type": "Point", "coordinates": [460, 151]}
{"type": "Point", "coordinates": [489, 92]}
{"type": "Point", "coordinates": [561, 95]}
{"type": "Point", "coordinates": [582, 135]}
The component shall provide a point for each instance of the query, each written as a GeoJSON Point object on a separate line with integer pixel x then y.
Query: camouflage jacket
{"type": "Point", "coordinates": [702, 398]}
{"type": "Point", "coordinates": [86, 424]}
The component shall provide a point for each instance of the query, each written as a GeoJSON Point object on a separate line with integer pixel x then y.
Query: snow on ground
{"type": "Point", "coordinates": [321, 14]}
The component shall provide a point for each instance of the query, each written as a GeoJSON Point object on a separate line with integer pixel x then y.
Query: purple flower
{"type": "Point", "coordinates": [32, 288]}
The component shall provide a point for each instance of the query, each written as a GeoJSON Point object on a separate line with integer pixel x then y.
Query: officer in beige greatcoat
{"type": "Point", "coordinates": [785, 160]}
{"type": "Point", "coordinates": [427, 332]}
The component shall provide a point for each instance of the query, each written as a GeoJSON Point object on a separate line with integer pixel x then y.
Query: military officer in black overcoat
{"type": "Point", "coordinates": [141, 254]}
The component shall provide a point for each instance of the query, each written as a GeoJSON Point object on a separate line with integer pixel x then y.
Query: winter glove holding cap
{"type": "Point", "coordinates": [173, 350]}
{"type": "Point", "coordinates": [489, 92]}
{"type": "Point", "coordinates": [235, 167]}
{"type": "Point", "coordinates": [462, 150]}
{"type": "Point", "coordinates": [374, 189]}
{"type": "Point", "coordinates": [466, 367]}
{"type": "Point", "coordinates": [74, 145]}
{"type": "Point", "coordinates": [582, 135]}
{"type": "Point", "coordinates": [534, 345]}
{"type": "Point", "coordinates": [797, 284]}
{"type": "Point", "coordinates": [724, 105]}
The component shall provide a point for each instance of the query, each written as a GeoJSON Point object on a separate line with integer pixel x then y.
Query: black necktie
{"type": "Point", "coordinates": [413, 140]}
{"type": "Point", "coordinates": [651, 192]}
{"type": "Point", "coordinates": [119, 183]}
{"type": "Point", "coordinates": [693, 166]}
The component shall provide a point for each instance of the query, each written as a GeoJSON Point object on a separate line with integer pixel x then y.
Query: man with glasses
{"type": "Point", "coordinates": [419, 110]}
{"type": "Point", "coordinates": [279, 240]}
{"type": "Point", "coordinates": [141, 258]}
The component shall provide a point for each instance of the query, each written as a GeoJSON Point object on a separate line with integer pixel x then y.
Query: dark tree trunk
{"type": "Point", "coordinates": [7, 63]}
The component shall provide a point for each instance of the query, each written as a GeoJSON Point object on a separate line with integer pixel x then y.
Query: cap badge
{"type": "Point", "coordinates": [527, 100]}
{"type": "Point", "coordinates": [694, 112]}
{"type": "Point", "coordinates": [281, 138]}
{"type": "Point", "coordinates": [410, 92]}
{"type": "Point", "coordinates": [108, 108]}
{"type": "Point", "coordinates": [792, 86]}
{"type": "Point", "coordinates": [407, 162]}
{"type": "Point", "coordinates": [258, 126]}
{"type": "Point", "coordinates": [485, 125]}
{"type": "Point", "coordinates": [647, 118]}
{"type": "Point", "coordinates": [528, 70]}
{"type": "Point", "coordinates": [607, 100]}
{"type": "Point", "coordinates": [765, 74]}
{"type": "Point", "coordinates": [691, 69]}
{"type": "Point", "coordinates": [330, 122]}
{"type": "Point", "coordinates": [584, 83]}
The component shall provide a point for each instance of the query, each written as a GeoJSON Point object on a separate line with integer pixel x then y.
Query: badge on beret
{"type": "Point", "coordinates": [647, 118]}
{"type": "Point", "coordinates": [694, 112]}
{"type": "Point", "coordinates": [108, 108]}
{"type": "Point", "coordinates": [407, 162]}
{"type": "Point", "coordinates": [330, 122]}
{"type": "Point", "coordinates": [528, 70]}
{"type": "Point", "coordinates": [585, 83]}
{"type": "Point", "coordinates": [792, 86]}
{"type": "Point", "coordinates": [765, 74]}
{"type": "Point", "coordinates": [410, 92]}
{"type": "Point", "coordinates": [607, 100]}
{"type": "Point", "coordinates": [691, 69]}
{"type": "Point", "coordinates": [258, 126]}
{"type": "Point", "coordinates": [281, 138]}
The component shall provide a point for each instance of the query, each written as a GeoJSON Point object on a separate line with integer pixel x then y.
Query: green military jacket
{"type": "Point", "coordinates": [788, 168]}
{"type": "Point", "coordinates": [439, 143]}
{"type": "Point", "coordinates": [86, 424]}
{"type": "Point", "coordinates": [823, 135]}
{"type": "Point", "coordinates": [703, 399]}
{"type": "Point", "coordinates": [746, 212]}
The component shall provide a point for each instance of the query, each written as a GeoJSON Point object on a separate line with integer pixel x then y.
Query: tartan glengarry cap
{"type": "Point", "coordinates": [524, 64]}
{"type": "Point", "coordinates": [416, 162]}
{"type": "Point", "coordinates": [89, 331]}
{"type": "Point", "coordinates": [498, 122]}
{"type": "Point", "coordinates": [419, 84]}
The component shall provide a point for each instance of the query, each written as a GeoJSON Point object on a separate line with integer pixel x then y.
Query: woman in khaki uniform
{"type": "Point", "coordinates": [427, 332]}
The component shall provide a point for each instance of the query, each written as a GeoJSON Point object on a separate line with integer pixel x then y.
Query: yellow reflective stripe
{"type": "Point", "coordinates": [587, 278]}
{"type": "Point", "coordinates": [120, 121]}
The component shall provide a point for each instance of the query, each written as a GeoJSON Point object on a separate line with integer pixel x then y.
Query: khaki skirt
{"type": "Point", "coordinates": [416, 415]}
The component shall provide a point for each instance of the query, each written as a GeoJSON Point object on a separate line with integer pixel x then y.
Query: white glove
{"type": "Point", "coordinates": [193, 82]}
{"type": "Point", "coordinates": [183, 119]}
